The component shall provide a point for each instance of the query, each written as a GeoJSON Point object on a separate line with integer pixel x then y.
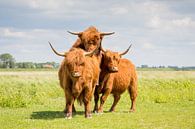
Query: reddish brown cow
{"type": "Point", "coordinates": [117, 75]}
{"type": "Point", "coordinates": [89, 39]}
{"type": "Point", "coordinates": [78, 75]}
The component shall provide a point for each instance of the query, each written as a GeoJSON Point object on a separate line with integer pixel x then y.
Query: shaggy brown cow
{"type": "Point", "coordinates": [78, 75]}
{"type": "Point", "coordinates": [89, 39]}
{"type": "Point", "coordinates": [117, 75]}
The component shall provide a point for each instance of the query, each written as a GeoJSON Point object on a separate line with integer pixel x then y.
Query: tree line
{"type": "Point", "coordinates": [8, 61]}
{"type": "Point", "coordinates": [166, 67]}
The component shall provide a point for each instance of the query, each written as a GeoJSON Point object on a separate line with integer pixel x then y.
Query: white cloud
{"type": "Point", "coordinates": [148, 46]}
{"type": "Point", "coordinates": [10, 33]}
{"type": "Point", "coordinates": [183, 22]}
{"type": "Point", "coordinates": [171, 24]}
{"type": "Point", "coordinates": [119, 10]}
{"type": "Point", "coordinates": [155, 22]}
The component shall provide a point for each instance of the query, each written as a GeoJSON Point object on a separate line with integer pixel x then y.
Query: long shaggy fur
{"type": "Point", "coordinates": [116, 82]}
{"type": "Point", "coordinates": [81, 88]}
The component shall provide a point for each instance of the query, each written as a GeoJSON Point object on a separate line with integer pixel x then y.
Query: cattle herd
{"type": "Point", "coordinates": [87, 69]}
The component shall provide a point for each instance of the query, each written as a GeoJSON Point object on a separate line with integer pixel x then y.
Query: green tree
{"type": "Point", "coordinates": [7, 61]}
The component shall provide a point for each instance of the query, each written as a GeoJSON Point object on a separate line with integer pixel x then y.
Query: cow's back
{"type": "Point", "coordinates": [124, 76]}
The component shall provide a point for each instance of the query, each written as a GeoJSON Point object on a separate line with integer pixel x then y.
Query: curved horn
{"type": "Point", "coordinates": [75, 33]}
{"type": "Point", "coordinates": [125, 52]}
{"type": "Point", "coordinates": [101, 48]}
{"type": "Point", "coordinates": [103, 34]}
{"type": "Point", "coordinates": [59, 54]}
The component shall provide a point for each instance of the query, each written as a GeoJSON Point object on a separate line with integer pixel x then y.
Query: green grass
{"type": "Point", "coordinates": [34, 100]}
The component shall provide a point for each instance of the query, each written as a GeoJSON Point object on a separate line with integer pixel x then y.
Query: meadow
{"type": "Point", "coordinates": [34, 100]}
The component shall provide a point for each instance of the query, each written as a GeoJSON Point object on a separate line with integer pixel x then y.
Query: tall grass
{"type": "Point", "coordinates": [25, 89]}
{"type": "Point", "coordinates": [22, 89]}
{"type": "Point", "coordinates": [166, 90]}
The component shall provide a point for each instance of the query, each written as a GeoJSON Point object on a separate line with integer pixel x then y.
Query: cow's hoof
{"type": "Point", "coordinates": [88, 116]}
{"type": "Point", "coordinates": [68, 116]}
{"type": "Point", "coordinates": [111, 110]}
{"type": "Point", "coordinates": [95, 111]}
{"type": "Point", "coordinates": [132, 110]}
{"type": "Point", "coordinates": [100, 112]}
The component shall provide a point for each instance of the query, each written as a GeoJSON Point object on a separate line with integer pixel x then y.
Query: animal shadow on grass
{"type": "Point", "coordinates": [49, 115]}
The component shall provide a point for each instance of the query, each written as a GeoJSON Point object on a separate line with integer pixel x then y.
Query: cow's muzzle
{"type": "Point", "coordinates": [76, 74]}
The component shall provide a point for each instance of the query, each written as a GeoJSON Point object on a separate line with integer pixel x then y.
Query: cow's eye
{"type": "Point", "coordinates": [114, 57]}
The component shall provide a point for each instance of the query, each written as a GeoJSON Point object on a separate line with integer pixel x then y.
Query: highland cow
{"type": "Point", "coordinates": [117, 75]}
{"type": "Point", "coordinates": [89, 39]}
{"type": "Point", "coordinates": [78, 75]}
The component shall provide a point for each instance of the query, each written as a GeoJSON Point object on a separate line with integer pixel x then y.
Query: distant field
{"type": "Point", "coordinates": [33, 99]}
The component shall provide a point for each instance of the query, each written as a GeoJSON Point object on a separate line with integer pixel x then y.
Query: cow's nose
{"type": "Point", "coordinates": [114, 69]}
{"type": "Point", "coordinates": [76, 74]}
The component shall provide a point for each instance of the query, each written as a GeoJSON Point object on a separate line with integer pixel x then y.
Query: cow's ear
{"type": "Point", "coordinates": [80, 36]}
{"type": "Point", "coordinates": [101, 37]}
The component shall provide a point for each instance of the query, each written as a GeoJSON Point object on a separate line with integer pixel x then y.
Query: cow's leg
{"type": "Point", "coordinates": [87, 102]}
{"type": "Point", "coordinates": [87, 109]}
{"type": "Point", "coordinates": [69, 103]}
{"type": "Point", "coordinates": [103, 99]}
{"type": "Point", "coordinates": [116, 99]}
{"type": "Point", "coordinates": [96, 99]}
{"type": "Point", "coordinates": [73, 109]}
{"type": "Point", "coordinates": [133, 95]}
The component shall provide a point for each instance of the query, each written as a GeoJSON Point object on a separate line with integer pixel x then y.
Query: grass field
{"type": "Point", "coordinates": [34, 100]}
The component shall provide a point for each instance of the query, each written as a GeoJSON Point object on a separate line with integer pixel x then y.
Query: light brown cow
{"type": "Point", "coordinates": [117, 75]}
{"type": "Point", "coordinates": [78, 75]}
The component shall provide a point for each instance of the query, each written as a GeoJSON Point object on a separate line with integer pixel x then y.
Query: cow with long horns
{"type": "Point", "coordinates": [78, 75]}
{"type": "Point", "coordinates": [89, 39]}
{"type": "Point", "coordinates": [117, 75]}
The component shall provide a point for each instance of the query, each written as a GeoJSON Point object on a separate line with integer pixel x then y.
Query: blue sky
{"type": "Point", "coordinates": [162, 32]}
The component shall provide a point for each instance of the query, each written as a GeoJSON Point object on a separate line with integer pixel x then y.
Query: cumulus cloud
{"type": "Point", "coordinates": [159, 23]}
{"type": "Point", "coordinates": [10, 33]}
{"type": "Point", "coordinates": [183, 22]}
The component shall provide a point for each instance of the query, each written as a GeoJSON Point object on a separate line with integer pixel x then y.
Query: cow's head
{"type": "Point", "coordinates": [75, 60]}
{"type": "Point", "coordinates": [112, 59]}
{"type": "Point", "coordinates": [90, 38]}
